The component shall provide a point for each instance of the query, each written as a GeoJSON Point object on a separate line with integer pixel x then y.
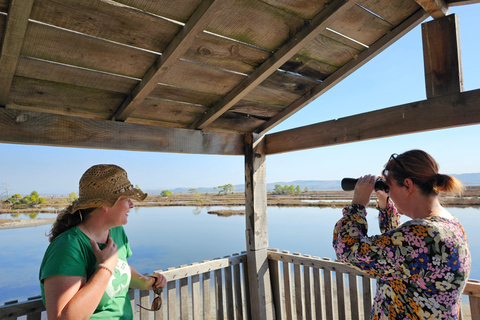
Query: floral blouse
{"type": "Point", "coordinates": [421, 266]}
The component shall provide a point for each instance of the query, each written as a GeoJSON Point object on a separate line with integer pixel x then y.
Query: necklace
{"type": "Point", "coordinates": [91, 236]}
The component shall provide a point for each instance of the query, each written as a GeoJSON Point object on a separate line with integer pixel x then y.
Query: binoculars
{"type": "Point", "coordinates": [348, 184]}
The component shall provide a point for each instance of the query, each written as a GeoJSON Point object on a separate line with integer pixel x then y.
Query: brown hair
{"type": "Point", "coordinates": [423, 170]}
{"type": "Point", "coordinates": [66, 220]}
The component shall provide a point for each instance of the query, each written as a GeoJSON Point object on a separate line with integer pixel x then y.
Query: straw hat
{"type": "Point", "coordinates": [103, 185]}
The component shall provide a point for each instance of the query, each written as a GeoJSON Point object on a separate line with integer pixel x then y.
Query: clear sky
{"type": "Point", "coordinates": [394, 77]}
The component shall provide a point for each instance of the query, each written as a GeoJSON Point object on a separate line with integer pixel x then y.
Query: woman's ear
{"type": "Point", "coordinates": [408, 184]}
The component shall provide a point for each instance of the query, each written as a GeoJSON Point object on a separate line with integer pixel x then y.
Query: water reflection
{"type": "Point", "coordinates": [162, 237]}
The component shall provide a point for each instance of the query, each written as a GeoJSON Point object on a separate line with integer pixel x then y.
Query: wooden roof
{"type": "Point", "coordinates": [127, 74]}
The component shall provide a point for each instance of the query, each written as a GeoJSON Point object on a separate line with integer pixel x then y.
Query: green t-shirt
{"type": "Point", "coordinates": [71, 254]}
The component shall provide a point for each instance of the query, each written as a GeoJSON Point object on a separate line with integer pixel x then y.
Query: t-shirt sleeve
{"type": "Point", "coordinates": [65, 256]}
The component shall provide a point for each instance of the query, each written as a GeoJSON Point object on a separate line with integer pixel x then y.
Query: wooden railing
{"type": "Point", "coordinates": [209, 290]}
{"type": "Point", "coordinates": [304, 287]}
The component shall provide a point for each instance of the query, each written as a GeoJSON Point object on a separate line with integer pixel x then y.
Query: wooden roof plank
{"type": "Point", "coordinates": [347, 69]}
{"type": "Point", "coordinates": [306, 9]}
{"type": "Point", "coordinates": [56, 130]}
{"type": "Point", "coordinates": [168, 111]}
{"type": "Point", "coordinates": [394, 12]}
{"type": "Point", "coordinates": [62, 46]}
{"type": "Point", "coordinates": [180, 94]}
{"type": "Point", "coordinates": [225, 54]}
{"type": "Point", "coordinates": [108, 20]}
{"type": "Point", "coordinates": [193, 76]}
{"type": "Point", "coordinates": [14, 34]}
{"type": "Point", "coordinates": [459, 109]}
{"type": "Point", "coordinates": [282, 55]}
{"type": "Point", "coordinates": [172, 9]}
{"type": "Point", "coordinates": [435, 8]}
{"type": "Point", "coordinates": [256, 23]}
{"type": "Point", "coordinates": [40, 93]}
{"type": "Point", "coordinates": [308, 67]}
{"type": "Point", "coordinates": [60, 73]}
{"type": "Point", "coordinates": [175, 50]}
{"type": "Point", "coordinates": [361, 25]}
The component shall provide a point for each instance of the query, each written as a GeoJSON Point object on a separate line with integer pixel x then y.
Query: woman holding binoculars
{"type": "Point", "coordinates": [422, 265]}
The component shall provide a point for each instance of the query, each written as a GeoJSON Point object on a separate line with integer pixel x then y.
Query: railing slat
{"type": "Point", "coordinates": [308, 290]}
{"type": "Point", "coordinates": [354, 294]}
{"type": "Point", "coordinates": [288, 291]}
{"type": "Point", "coordinates": [206, 296]}
{"type": "Point", "coordinates": [172, 300]}
{"type": "Point", "coordinates": [196, 297]}
{"type": "Point", "coordinates": [297, 273]}
{"type": "Point", "coordinates": [218, 293]}
{"type": "Point", "coordinates": [327, 275]}
{"type": "Point", "coordinates": [248, 307]}
{"type": "Point", "coordinates": [274, 267]}
{"type": "Point", "coordinates": [367, 296]}
{"type": "Point", "coordinates": [340, 295]}
{"type": "Point", "coordinates": [237, 282]}
{"type": "Point", "coordinates": [144, 301]}
{"type": "Point", "coordinates": [229, 293]}
{"type": "Point", "coordinates": [184, 298]}
{"type": "Point", "coordinates": [317, 289]}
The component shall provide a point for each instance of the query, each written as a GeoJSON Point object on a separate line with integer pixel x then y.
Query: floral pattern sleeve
{"type": "Point", "coordinates": [421, 266]}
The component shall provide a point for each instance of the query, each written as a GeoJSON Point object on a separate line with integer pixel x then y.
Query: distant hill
{"type": "Point", "coordinates": [468, 179]}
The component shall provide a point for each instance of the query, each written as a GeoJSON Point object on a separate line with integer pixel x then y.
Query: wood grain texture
{"type": "Point", "coordinates": [255, 22]}
{"type": "Point", "coordinates": [267, 68]}
{"type": "Point", "coordinates": [108, 20]}
{"type": "Point", "coordinates": [47, 129]}
{"type": "Point", "coordinates": [13, 37]}
{"type": "Point", "coordinates": [436, 113]}
{"type": "Point", "coordinates": [58, 45]}
{"type": "Point", "coordinates": [435, 8]}
{"type": "Point", "coordinates": [173, 52]}
{"type": "Point", "coordinates": [64, 74]}
{"type": "Point", "coordinates": [442, 56]}
{"type": "Point", "coordinates": [171, 9]}
{"type": "Point", "coordinates": [346, 70]}
{"type": "Point", "coordinates": [225, 54]}
{"type": "Point", "coordinates": [65, 98]}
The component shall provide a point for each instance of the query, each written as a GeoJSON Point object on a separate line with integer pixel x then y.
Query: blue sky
{"type": "Point", "coordinates": [394, 77]}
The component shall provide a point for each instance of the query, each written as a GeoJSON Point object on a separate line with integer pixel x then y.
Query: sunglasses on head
{"type": "Point", "coordinates": [394, 158]}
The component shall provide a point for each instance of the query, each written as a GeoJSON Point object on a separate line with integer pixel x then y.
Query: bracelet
{"type": "Point", "coordinates": [102, 266]}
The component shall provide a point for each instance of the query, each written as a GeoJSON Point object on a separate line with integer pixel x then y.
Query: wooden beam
{"type": "Point", "coordinates": [16, 26]}
{"type": "Point", "coordinates": [346, 70]}
{"type": "Point", "coordinates": [36, 128]}
{"type": "Point", "coordinates": [452, 3]}
{"type": "Point", "coordinates": [448, 111]}
{"type": "Point", "coordinates": [435, 8]}
{"type": "Point", "coordinates": [261, 299]}
{"type": "Point", "coordinates": [175, 50]}
{"type": "Point", "coordinates": [442, 56]}
{"type": "Point", "coordinates": [280, 57]}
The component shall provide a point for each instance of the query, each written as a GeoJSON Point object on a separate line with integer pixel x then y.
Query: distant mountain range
{"type": "Point", "coordinates": [468, 179]}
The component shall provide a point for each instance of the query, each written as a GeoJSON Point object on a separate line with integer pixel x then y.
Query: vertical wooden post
{"type": "Point", "coordinates": [262, 307]}
{"type": "Point", "coordinates": [442, 56]}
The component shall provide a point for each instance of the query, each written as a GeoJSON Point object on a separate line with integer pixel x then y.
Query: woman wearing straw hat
{"type": "Point", "coordinates": [84, 273]}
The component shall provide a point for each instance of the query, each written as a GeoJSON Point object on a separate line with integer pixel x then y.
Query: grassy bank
{"type": "Point", "coordinates": [471, 197]}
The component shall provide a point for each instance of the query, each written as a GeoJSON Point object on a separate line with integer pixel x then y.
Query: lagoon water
{"type": "Point", "coordinates": [163, 237]}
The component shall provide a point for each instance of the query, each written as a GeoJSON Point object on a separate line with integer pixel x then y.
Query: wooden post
{"type": "Point", "coordinates": [442, 57]}
{"type": "Point", "coordinates": [262, 307]}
